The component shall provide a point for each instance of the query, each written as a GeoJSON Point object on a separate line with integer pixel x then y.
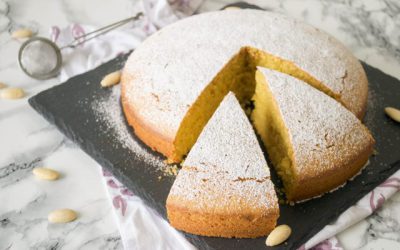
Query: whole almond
{"type": "Point", "coordinates": [12, 93]}
{"type": "Point", "coordinates": [393, 113]}
{"type": "Point", "coordinates": [62, 216]}
{"type": "Point", "coordinates": [111, 79]}
{"type": "Point", "coordinates": [279, 235]}
{"type": "Point", "coordinates": [3, 85]}
{"type": "Point", "coordinates": [22, 33]}
{"type": "Point", "coordinates": [46, 174]}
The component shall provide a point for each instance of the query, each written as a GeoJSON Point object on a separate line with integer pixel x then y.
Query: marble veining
{"type": "Point", "coordinates": [370, 29]}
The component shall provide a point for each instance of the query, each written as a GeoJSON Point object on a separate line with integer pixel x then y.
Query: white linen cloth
{"type": "Point", "coordinates": [140, 226]}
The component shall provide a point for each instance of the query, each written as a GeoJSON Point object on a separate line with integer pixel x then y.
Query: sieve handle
{"type": "Point", "coordinates": [93, 34]}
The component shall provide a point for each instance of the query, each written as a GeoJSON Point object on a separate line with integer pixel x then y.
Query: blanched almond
{"type": "Point", "coordinates": [279, 235]}
{"type": "Point", "coordinates": [12, 93]}
{"type": "Point", "coordinates": [111, 79]}
{"type": "Point", "coordinates": [22, 33]}
{"type": "Point", "coordinates": [62, 216]}
{"type": "Point", "coordinates": [393, 113]}
{"type": "Point", "coordinates": [46, 174]}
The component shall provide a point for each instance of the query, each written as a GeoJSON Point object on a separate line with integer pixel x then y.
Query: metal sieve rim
{"type": "Point", "coordinates": [52, 73]}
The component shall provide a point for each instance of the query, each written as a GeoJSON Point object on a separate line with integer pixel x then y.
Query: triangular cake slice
{"type": "Point", "coordinates": [224, 187]}
{"type": "Point", "coordinates": [314, 143]}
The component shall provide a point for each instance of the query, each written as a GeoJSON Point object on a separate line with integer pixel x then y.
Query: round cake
{"type": "Point", "coordinates": [174, 81]}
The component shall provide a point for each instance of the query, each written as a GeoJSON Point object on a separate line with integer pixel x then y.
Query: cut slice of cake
{"type": "Point", "coordinates": [314, 143]}
{"type": "Point", "coordinates": [224, 187]}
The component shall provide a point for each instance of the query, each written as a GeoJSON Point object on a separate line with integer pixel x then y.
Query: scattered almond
{"type": "Point", "coordinates": [279, 235]}
{"type": "Point", "coordinates": [46, 174]}
{"type": "Point", "coordinates": [62, 216]}
{"type": "Point", "coordinates": [2, 85]}
{"type": "Point", "coordinates": [111, 79]}
{"type": "Point", "coordinates": [12, 93]}
{"type": "Point", "coordinates": [393, 113]}
{"type": "Point", "coordinates": [22, 33]}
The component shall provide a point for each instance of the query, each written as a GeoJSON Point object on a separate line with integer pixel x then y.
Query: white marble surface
{"type": "Point", "coordinates": [371, 29]}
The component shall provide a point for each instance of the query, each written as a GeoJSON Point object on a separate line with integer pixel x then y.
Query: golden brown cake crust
{"type": "Point", "coordinates": [212, 204]}
{"type": "Point", "coordinates": [147, 135]}
{"type": "Point", "coordinates": [244, 225]}
{"type": "Point", "coordinates": [355, 94]}
{"type": "Point", "coordinates": [311, 187]}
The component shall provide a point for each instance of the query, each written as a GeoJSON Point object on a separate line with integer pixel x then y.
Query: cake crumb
{"type": "Point", "coordinates": [171, 170]}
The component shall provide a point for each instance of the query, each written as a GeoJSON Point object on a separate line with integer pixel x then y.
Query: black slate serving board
{"type": "Point", "coordinates": [67, 107]}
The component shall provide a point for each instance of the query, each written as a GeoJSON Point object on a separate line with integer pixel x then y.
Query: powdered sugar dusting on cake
{"type": "Point", "coordinates": [324, 134]}
{"type": "Point", "coordinates": [109, 114]}
{"type": "Point", "coordinates": [165, 75]}
{"type": "Point", "coordinates": [226, 159]}
{"type": "Point", "coordinates": [228, 144]}
{"type": "Point", "coordinates": [208, 191]}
